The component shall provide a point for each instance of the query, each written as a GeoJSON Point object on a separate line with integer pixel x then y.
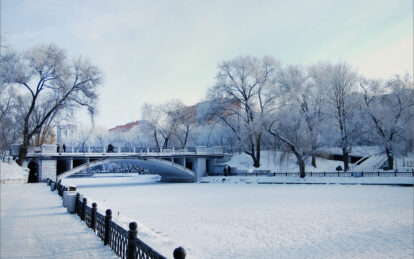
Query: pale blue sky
{"type": "Point", "coordinates": [152, 51]}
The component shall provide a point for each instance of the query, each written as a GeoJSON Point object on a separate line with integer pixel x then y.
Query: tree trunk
{"type": "Point", "coordinates": [25, 144]}
{"type": "Point", "coordinates": [186, 136]}
{"type": "Point", "coordinates": [256, 162]}
{"type": "Point", "coordinates": [390, 158]}
{"type": "Point", "coordinates": [258, 141]}
{"type": "Point", "coordinates": [22, 153]}
{"type": "Point", "coordinates": [253, 155]}
{"type": "Point", "coordinates": [345, 158]}
{"type": "Point", "coordinates": [156, 139]}
{"type": "Point", "coordinates": [313, 154]}
{"type": "Point", "coordinates": [255, 151]}
{"type": "Point", "coordinates": [313, 160]}
{"type": "Point", "coordinates": [301, 167]}
{"type": "Point", "coordinates": [165, 143]}
{"type": "Point", "coordinates": [301, 163]}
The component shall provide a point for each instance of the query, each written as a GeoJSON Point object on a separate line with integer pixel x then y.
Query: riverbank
{"type": "Point", "coordinates": [369, 180]}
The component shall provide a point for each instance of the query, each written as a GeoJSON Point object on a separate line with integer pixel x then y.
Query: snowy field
{"type": "Point", "coordinates": [261, 221]}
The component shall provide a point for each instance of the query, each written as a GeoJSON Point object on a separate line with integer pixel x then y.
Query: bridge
{"type": "Point", "coordinates": [181, 165]}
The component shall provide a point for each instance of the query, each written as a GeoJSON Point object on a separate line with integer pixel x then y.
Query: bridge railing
{"type": "Point", "coordinates": [124, 243]}
{"type": "Point", "coordinates": [140, 150]}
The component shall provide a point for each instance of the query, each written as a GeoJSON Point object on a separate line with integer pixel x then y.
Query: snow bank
{"type": "Point", "coordinates": [280, 162]}
{"type": "Point", "coordinates": [277, 161]}
{"type": "Point", "coordinates": [13, 174]}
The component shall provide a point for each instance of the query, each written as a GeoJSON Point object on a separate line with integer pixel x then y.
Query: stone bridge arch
{"type": "Point", "coordinates": [168, 170]}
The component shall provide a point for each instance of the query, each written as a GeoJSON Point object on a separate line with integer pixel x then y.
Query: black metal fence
{"type": "Point", "coordinates": [317, 174]}
{"type": "Point", "coordinates": [124, 243]}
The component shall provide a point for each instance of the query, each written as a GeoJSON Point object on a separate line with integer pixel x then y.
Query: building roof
{"type": "Point", "coordinates": [125, 127]}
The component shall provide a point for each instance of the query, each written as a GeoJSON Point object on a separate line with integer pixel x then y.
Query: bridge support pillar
{"type": "Point", "coordinates": [47, 169]}
{"type": "Point", "coordinates": [200, 167]}
{"type": "Point", "coordinates": [211, 163]}
{"type": "Point", "coordinates": [69, 164]}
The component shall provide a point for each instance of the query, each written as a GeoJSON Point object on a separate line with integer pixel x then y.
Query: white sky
{"type": "Point", "coordinates": [153, 51]}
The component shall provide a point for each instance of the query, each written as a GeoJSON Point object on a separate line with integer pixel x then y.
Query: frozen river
{"type": "Point", "coordinates": [261, 221]}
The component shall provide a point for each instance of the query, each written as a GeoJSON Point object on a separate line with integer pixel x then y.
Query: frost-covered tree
{"type": "Point", "coordinates": [187, 123]}
{"type": "Point", "coordinates": [45, 74]}
{"type": "Point", "coordinates": [162, 121]}
{"type": "Point", "coordinates": [305, 98]}
{"type": "Point", "coordinates": [244, 94]}
{"type": "Point", "coordinates": [10, 103]}
{"type": "Point", "coordinates": [338, 81]}
{"type": "Point", "coordinates": [287, 127]}
{"type": "Point", "coordinates": [389, 110]}
{"type": "Point", "coordinates": [10, 130]}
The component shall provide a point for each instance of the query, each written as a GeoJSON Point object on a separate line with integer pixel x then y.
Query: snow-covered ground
{"type": "Point", "coordinates": [261, 221]}
{"type": "Point", "coordinates": [13, 173]}
{"type": "Point", "coordinates": [277, 161]}
{"type": "Point", "coordinates": [35, 225]}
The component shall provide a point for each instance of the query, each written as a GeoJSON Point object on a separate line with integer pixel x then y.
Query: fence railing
{"type": "Point", "coordinates": [317, 174]}
{"type": "Point", "coordinates": [124, 243]}
{"type": "Point", "coordinates": [138, 150]}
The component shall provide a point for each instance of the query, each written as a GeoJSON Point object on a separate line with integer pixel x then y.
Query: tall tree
{"type": "Point", "coordinates": [389, 108]}
{"type": "Point", "coordinates": [286, 126]}
{"type": "Point", "coordinates": [305, 97]}
{"type": "Point", "coordinates": [244, 93]}
{"type": "Point", "coordinates": [338, 80]}
{"type": "Point", "coordinates": [162, 120]}
{"type": "Point", "coordinates": [46, 75]}
{"type": "Point", "coordinates": [187, 122]}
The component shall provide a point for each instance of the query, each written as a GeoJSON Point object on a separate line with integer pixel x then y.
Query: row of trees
{"type": "Point", "coordinates": [253, 103]}
{"type": "Point", "coordinates": [305, 108]}
{"type": "Point", "coordinates": [258, 102]}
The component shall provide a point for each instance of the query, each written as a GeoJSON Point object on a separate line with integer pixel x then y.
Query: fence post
{"type": "Point", "coordinates": [179, 253]}
{"type": "Point", "coordinates": [58, 187]}
{"type": "Point", "coordinates": [108, 219]}
{"type": "Point", "coordinates": [83, 208]}
{"type": "Point", "coordinates": [76, 204]}
{"type": "Point", "coordinates": [132, 235]}
{"type": "Point", "coordinates": [93, 216]}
